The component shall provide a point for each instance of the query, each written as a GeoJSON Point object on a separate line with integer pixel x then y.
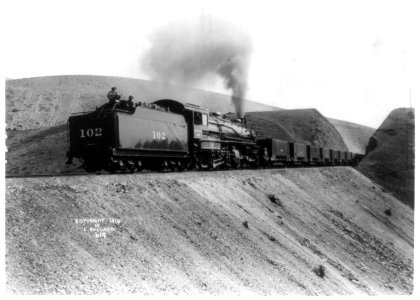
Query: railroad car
{"type": "Point", "coordinates": [348, 158]}
{"type": "Point", "coordinates": [298, 154]}
{"type": "Point", "coordinates": [116, 138]}
{"type": "Point", "coordinates": [313, 155]}
{"type": "Point", "coordinates": [342, 157]}
{"type": "Point", "coordinates": [335, 157]}
{"type": "Point", "coordinates": [277, 151]}
{"type": "Point", "coordinates": [325, 154]}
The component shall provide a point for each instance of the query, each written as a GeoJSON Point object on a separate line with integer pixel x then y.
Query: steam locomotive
{"type": "Point", "coordinates": [168, 134]}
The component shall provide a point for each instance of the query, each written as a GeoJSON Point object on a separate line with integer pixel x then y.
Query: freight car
{"type": "Point", "coordinates": [325, 156]}
{"type": "Point", "coordinates": [168, 134]}
{"type": "Point", "coordinates": [335, 157]}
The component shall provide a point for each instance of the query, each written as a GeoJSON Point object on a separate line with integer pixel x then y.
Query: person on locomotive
{"type": "Point", "coordinates": [113, 96]}
{"type": "Point", "coordinates": [130, 101]}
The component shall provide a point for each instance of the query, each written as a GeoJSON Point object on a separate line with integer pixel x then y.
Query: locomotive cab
{"type": "Point", "coordinates": [197, 119]}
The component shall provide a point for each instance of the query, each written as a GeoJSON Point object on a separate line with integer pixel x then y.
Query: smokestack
{"type": "Point", "coordinates": [187, 52]}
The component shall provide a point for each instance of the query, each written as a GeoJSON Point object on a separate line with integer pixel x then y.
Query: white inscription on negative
{"type": "Point", "coordinates": [98, 227]}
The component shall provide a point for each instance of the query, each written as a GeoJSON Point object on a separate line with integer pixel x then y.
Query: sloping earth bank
{"type": "Point", "coordinates": [317, 231]}
{"type": "Point", "coordinates": [38, 151]}
{"type": "Point", "coordinates": [389, 159]}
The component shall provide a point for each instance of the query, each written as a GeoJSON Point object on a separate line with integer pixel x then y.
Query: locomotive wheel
{"type": "Point", "coordinates": [192, 165]}
{"type": "Point", "coordinates": [234, 164]}
{"type": "Point", "coordinates": [158, 166]}
{"type": "Point", "coordinates": [112, 167]}
{"type": "Point", "coordinates": [226, 165]}
{"type": "Point", "coordinates": [210, 165]}
{"type": "Point", "coordinates": [130, 166]}
{"type": "Point", "coordinates": [89, 166]}
{"type": "Point", "coordinates": [154, 168]}
{"type": "Point", "coordinates": [180, 166]}
{"type": "Point", "coordinates": [163, 166]}
{"type": "Point", "coordinates": [139, 166]}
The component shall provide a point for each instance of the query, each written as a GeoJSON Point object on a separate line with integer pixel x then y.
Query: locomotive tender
{"type": "Point", "coordinates": [175, 135]}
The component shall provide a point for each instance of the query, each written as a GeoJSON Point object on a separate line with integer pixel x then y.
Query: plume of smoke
{"type": "Point", "coordinates": [186, 52]}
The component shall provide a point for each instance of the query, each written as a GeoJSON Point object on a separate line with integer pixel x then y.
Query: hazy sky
{"type": "Point", "coordinates": [352, 60]}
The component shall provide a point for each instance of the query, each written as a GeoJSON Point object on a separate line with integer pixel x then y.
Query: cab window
{"type": "Point", "coordinates": [200, 119]}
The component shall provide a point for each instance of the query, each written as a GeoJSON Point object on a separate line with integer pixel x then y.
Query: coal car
{"type": "Point", "coordinates": [112, 138]}
{"type": "Point", "coordinates": [275, 152]}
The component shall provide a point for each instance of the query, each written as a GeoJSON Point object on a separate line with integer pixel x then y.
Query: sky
{"type": "Point", "coordinates": [351, 60]}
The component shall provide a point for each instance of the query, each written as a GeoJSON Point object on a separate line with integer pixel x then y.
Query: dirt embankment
{"type": "Point", "coordinates": [48, 101]}
{"type": "Point", "coordinates": [38, 151]}
{"type": "Point", "coordinates": [318, 231]}
{"type": "Point", "coordinates": [306, 126]}
{"type": "Point", "coordinates": [390, 155]}
{"type": "Point", "coordinates": [355, 136]}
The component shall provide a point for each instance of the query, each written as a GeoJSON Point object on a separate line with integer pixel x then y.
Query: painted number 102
{"type": "Point", "coordinates": [90, 132]}
{"type": "Point", "coordinates": [157, 135]}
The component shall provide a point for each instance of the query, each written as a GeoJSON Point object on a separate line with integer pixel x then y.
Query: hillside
{"type": "Point", "coordinates": [355, 136]}
{"type": "Point", "coordinates": [301, 125]}
{"type": "Point", "coordinates": [390, 155]}
{"type": "Point", "coordinates": [48, 101]}
{"type": "Point", "coordinates": [38, 151]}
{"type": "Point", "coordinates": [312, 231]}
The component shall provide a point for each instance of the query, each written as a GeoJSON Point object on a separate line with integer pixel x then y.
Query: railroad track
{"type": "Point", "coordinates": [163, 172]}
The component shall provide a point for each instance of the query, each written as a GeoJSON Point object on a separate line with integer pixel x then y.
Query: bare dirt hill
{"type": "Point", "coordinates": [355, 136]}
{"type": "Point", "coordinates": [327, 231]}
{"type": "Point", "coordinates": [390, 155]}
{"type": "Point", "coordinates": [38, 151]}
{"type": "Point", "coordinates": [48, 101]}
{"type": "Point", "coordinates": [306, 126]}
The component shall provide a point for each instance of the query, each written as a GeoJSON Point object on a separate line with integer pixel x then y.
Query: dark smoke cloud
{"type": "Point", "coordinates": [187, 52]}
